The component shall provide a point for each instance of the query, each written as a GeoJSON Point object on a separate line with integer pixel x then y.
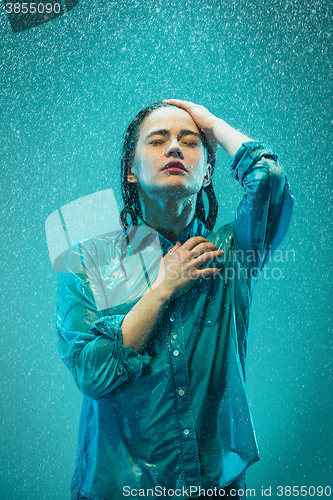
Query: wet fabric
{"type": "Point", "coordinates": [177, 415]}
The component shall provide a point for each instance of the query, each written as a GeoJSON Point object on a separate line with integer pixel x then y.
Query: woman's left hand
{"type": "Point", "coordinates": [203, 118]}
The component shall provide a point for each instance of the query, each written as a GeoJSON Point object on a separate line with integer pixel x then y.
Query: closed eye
{"type": "Point", "coordinates": [191, 144]}
{"type": "Point", "coordinates": [157, 143]}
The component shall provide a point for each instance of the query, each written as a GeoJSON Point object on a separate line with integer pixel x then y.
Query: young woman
{"type": "Point", "coordinates": [153, 321]}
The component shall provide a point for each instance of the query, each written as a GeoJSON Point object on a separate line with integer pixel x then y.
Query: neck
{"type": "Point", "coordinates": [168, 216]}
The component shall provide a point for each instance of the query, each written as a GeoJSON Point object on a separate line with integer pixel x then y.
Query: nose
{"type": "Point", "coordinates": [174, 149]}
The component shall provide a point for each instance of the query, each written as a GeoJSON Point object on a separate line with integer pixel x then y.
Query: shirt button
{"type": "Point", "coordinates": [175, 352]}
{"type": "Point", "coordinates": [172, 318]}
{"type": "Point", "coordinates": [181, 392]}
{"type": "Point", "coordinates": [186, 432]}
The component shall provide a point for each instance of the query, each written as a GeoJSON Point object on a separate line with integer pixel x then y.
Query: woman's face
{"type": "Point", "coordinates": [169, 155]}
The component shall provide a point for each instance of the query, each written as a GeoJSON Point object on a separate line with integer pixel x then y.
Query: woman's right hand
{"type": "Point", "coordinates": [181, 267]}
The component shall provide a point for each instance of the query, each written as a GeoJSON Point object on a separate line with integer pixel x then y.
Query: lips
{"type": "Point", "coordinates": [174, 165]}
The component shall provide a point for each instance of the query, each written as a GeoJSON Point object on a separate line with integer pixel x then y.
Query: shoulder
{"type": "Point", "coordinates": [92, 252]}
{"type": "Point", "coordinates": [223, 235]}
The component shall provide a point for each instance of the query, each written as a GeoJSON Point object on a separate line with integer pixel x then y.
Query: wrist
{"type": "Point", "coordinates": [161, 292]}
{"type": "Point", "coordinates": [228, 137]}
{"type": "Point", "coordinates": [221, 130]}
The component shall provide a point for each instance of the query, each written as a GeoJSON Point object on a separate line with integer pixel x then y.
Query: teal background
{"type": "Point", "coordinates": [69, 88]}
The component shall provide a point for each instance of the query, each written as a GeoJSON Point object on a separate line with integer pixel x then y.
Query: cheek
{"type": "Point", "coordinates": [149, 159]}
{"type": "Point", "coordinates": [149, 162]}
{"type": "Point", "coordinates": [200, 174]}
{"type": "Point", "coordinates": [139, 165]}
{"type": "Point", "coordinates": [142, 171]}
{"type": "Point", "coordinates": [198, 156]}
{"type": "Point", "coordinates": [199, 164]}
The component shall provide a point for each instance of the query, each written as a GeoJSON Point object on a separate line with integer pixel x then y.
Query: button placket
{"type": "Point", "coordinates": [188, 441]}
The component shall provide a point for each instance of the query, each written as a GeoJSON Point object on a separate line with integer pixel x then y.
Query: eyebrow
{"type": "Point", "coordinates": [166, 133]}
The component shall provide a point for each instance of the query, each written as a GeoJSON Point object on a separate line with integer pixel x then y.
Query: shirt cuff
{"type": "Point", "coordinates": [249, 154]}
{"type": "Point", "coordinates": [131, 361]}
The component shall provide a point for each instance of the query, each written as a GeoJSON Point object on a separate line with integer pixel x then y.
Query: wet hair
{"type": "Point", "coordinates": [130, 193]}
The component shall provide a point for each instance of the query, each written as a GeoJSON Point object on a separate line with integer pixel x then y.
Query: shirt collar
{"type": "Point", "coordinates": [194, 228]}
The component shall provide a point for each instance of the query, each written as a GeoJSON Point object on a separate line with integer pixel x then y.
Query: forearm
{"type": "Point", "coordinates": [228, 137]}
{"type": "Point", "coordinates": [140, 322]}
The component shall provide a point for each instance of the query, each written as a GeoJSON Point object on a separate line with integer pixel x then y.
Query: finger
{"type": "Point", "coordinates": [209, 271]}
{"type": "Point", "coordinates": [206, 257]}
{"type": "Point", "coordinates": [174, 248]}
{"type": "Point", "coordinates": [180, 103]}
{"type": "Point", "coordinates": [186, 105]}
{"type": "Point", "coordinates": [192, 242]}
{"type": "Point", "coordinates": [206, 246]}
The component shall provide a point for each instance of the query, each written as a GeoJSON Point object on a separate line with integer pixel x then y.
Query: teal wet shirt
{"type": "Point", "coordinates": [176, 416]}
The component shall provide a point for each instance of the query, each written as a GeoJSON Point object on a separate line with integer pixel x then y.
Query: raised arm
{"type": "Point", "coordinates": [263, 216]}
{"type": "Point", "coordinates": [216, 130]}
{"type": "Point", "coordinates": [264, 213]}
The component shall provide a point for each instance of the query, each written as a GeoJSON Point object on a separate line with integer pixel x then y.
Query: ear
{"type": "Point", "coordinates": [132, 178]}
{"type": "Point", "coordinates": [208, 176]}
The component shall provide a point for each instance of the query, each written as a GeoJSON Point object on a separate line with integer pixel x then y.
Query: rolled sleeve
{"type": "Point", "coordinates": [90, 340]}
{"type": "Point", "coordinates": [247, 155]}
{"type": "Point", "coordinates": [131, 362]}
{"type": "Point", "coordinates": [264, 214]}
